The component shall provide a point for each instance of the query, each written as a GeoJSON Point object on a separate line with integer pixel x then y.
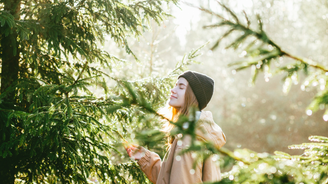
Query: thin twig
{"type": "Point", "coordinates": [248, 22]}
{"type": "Point", "coordinates": [203, 9]}
{"type": "Point", "coordinates": [312, 64]}
{"type": "Point", "coordinates": [80, 75]}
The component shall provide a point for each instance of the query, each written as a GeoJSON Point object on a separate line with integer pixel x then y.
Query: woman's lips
{"type": "Point", "coordinates": [173, 97]}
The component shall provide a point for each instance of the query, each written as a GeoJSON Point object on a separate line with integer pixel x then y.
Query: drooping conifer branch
{"type": "Point", "coordinates": [260, 51]}
{"type": "Point", "coordinates": [236, 25]}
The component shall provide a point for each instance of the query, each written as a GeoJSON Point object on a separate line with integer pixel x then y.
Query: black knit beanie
{"type": "Point", "coordinates": [202, 86]}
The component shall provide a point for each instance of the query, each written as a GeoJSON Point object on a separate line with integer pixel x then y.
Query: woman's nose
{"type": "Point", "coordinates": [172, 90]}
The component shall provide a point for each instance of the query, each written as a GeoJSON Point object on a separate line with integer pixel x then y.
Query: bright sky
{"type": "Point", "coordinates": [183, 18]}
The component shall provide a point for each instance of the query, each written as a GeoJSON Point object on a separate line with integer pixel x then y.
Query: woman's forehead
{"type": "Point", "coordinates": [182, 80]}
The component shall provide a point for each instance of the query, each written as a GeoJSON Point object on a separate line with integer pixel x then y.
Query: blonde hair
{"type": "Point", "coordinates": [173, 113]}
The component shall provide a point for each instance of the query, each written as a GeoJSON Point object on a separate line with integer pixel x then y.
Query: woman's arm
{"type": "Point", "coordinates": [149, 162]}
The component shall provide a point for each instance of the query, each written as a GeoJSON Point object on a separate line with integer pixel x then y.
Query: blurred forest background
{"type": "Point", "coordinates": [262, 117]}
{"type": "Point", "coordinates": [88, 80]}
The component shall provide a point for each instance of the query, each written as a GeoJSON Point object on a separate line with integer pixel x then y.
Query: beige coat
{"type": "Point", "coordinates": [178, 169]}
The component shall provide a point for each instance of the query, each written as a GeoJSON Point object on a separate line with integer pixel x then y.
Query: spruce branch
{"type": "Point", "coordinates": [259, 34]}
{"type": "Point", "coordinates": [260, 51]}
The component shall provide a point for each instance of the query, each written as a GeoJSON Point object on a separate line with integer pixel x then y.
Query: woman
{"type": "Point", "coordinates": [191, 89]}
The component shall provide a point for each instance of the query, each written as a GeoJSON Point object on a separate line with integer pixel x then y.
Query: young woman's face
{"type": "Point", "coordinates": [177, 97]}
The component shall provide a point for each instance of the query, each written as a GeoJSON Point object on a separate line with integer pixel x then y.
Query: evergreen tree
{"type": "Point", "coordinates": [52, 127]}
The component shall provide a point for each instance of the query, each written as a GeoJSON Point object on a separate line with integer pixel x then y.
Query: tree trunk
{"type": "Point", "coordinates": [10, 55]}
{"type": "Point", "coordinates": [9, 75]}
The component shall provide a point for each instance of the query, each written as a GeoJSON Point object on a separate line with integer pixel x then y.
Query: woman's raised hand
{"type": "Point", "coordinates": [134, 151]}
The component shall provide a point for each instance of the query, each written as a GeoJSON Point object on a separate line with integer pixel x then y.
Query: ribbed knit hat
{"type": "Point", "coordinates": [202, 86]}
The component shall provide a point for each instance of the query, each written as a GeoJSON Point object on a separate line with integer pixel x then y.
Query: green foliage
{"type": "Point", "coordinates": [282, 168]}
{"type": "Point", "coordinates": [55, 129]}
{"type": "Point", "coordinates": [127, 173]}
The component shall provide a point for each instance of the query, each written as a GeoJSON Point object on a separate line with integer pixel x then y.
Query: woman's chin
{"type": "Point", "coordinates": [173, 105]}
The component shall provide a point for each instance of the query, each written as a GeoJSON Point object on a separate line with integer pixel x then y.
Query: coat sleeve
{"type": "Point", "coordinates": [150, 164]}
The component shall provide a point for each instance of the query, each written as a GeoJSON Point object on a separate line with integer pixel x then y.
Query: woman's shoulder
{"type": "Point", "coordinates": [205, 116]}
{"type": "Point", "coordinates": [208, 130]}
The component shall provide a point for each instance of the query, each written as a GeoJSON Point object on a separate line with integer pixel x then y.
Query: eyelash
{"type": "Point", "coordinates": [179, 87]}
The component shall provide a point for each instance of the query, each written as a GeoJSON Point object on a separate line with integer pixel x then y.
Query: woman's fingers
{"type": "Point", "coordinates": [128, 150]}
{"type": "Point", "coordinates": [134, 151]}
